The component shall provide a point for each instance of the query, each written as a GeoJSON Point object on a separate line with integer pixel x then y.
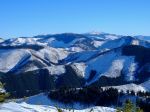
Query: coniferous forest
{"type": "Point", "coordinates": [99, 97]}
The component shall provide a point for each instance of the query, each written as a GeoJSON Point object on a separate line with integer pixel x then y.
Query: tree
{"type": "Point", "coordinates": [129, 107]}
{"type": "Point", "coordinates": [119, 110]}
{"type": "Point", "coordinates": [139, 110]}
{"type": "Point", "coordinates": [3, 94]}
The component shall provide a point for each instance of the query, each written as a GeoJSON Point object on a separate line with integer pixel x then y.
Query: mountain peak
{"type": "Point", "coordinates": [96, 33]}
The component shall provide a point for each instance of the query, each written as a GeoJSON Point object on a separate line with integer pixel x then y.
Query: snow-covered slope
{"type": "Point", "coordinates": [41, 103]}
{"type": "Point", "coordinates": [74, 60]}
{"type": "Point", "coordinates": [89, 56]}
{"type": "Point", "coordinates": [102, 36]}
{"type": "Point", "coordinates": [21, 41]}
{"type": "Point", "coordinates": [24, 107]}
{"type": "Point", "coordinates": [52, 54]}
{"type": "Point", "coordinates": [129, 87]}
{"type": "Point", "coordinates": [112, 65]}
{"type": "Point", "coordinates": [123, 41]}
{"type": "Point", "coordinates": [69, 41]}
{"type": "Point", "coordinates": [146, 85]}
{"type": "Point", "coordinates": [146, 38]}
{"type": "Point", "coordinates": [133, 87]}
{"type": "Point", "coordinates": [80, 56]}
{"type": "Point", "coordinates": [13, 59]}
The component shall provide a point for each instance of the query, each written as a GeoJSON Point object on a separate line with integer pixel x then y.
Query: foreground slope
{"type": "Point", "coordinates": [24, 107]}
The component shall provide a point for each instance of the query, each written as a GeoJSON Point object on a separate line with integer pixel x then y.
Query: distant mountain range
{"type": "Point", "coordinates": [29, 65]}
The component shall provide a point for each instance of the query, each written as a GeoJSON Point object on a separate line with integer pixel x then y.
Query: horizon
{"type": "Point", "coordinates": [92, 32]}
{"type": "Point", "coordinates": [39, 17]}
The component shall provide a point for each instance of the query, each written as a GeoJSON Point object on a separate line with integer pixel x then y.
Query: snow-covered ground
{"type": "Point", "coordinates": [2, 90]}
{"type": "Point", "coordinates": [24, 107]}
{"type": "Point", "coordinates": [11, 58]}
{"type": "Point", "coordinates": [132, 87]}
{"type": "Point", "coordinates": [41, 103]}
{"type": "Point", "coordinates": [83, 53]}
{"type": "Point", "coordinates": [42, 99]}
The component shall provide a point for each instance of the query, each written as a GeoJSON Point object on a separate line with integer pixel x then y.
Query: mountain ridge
{"type": "Point", "coordinates": [80, 61]}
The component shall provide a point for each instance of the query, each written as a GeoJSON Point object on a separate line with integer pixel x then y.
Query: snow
{"type": "Point", "coordinates": [98, 43]}
{"type": "Point", "coordinates": [80, 56]}
{"type": "Point", "coordinates": [130, 69]}
{"type": "Point", "coordinates": [24, 107]}
{"type": "Point", "coordinates": [111, 37]}
{"type": "Point", "coordinates": [146, 85]}
{"type": "Point", "coordinates": [95, 33]}
{"type": "Point", "coordinates": [110, 44]}
{"type": "Point", "coordinates": [111, 64]}
{"type": "Point", "coordinates": [42, 99]}
{"type": "Point", "coordinates": [54, 42]}
{"type": "Point", "coordinates": [1, 40]}
{"type": "Point", "coordinates": [145, 38]}
{"type": "Point", "coordinates": [133, 87]}
{"type": "Point", "coordinates": [75, 49]}
{"type": "Point", "coordinates": [41, 103]}
{"type": "Point", "coordinates": [135, 42]}
{"type": "Point", "coordinates": [21, 41]}
{"type": "Point", "coordinates": [2, 90]}
{"type": "Point", "coordinates": [130, 87]}
{"type": "Point", "coordinates": [52, 54]}
{"type": "Point", "coordinates": [79, 68]}
{"type": "Point", "coordinates": [57, 70]}
{"type": "Point", "coordinates": [102, 36]}
{"type": "Point", "coordinates": [10, 58]}
{"type": "Point", "coordinates": [57, 44]}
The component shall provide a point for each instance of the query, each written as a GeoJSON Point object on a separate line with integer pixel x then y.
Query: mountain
{"type": "Point", "coordinates": [30, 65]}
{"type": "Point", "coordinates": [1, 40]}
{"type": "Point", "coordinates": [146, 38]}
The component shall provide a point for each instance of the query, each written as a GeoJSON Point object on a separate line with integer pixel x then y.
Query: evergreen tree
{"type": "Point", "coordinates": [3, 95]}
{"type": "Point", "coordinates": [139, 110]}
{"type": "Point", "coordinates": [129, 107]}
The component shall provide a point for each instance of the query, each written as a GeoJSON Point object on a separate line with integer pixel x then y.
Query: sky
{"type": "Point", "coordinates": [21, 18]}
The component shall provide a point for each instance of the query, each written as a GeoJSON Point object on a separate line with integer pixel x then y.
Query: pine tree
{"type": "Point", "coordinates": [129, 107]}
{"type": "Point", "coordinates": [138, 110]}
{"type": "Point", "coordinates": [3, 95]}
{"type": "Point", "coordinates": [119, 110]}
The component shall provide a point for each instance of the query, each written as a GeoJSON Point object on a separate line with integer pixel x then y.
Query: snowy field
{"type": "Point", "coordinates": [40, 103]}
{"type": "Point", "coordinates": [24, 107]}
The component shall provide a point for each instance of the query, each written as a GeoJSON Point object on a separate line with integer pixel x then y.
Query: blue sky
{"type": "Point", "coordinates": [33, 17]}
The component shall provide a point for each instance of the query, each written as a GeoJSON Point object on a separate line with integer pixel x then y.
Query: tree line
{"type": "Point", "coordinates": [98, 96]}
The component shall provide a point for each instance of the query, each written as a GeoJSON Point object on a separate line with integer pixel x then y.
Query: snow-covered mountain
{"type": "Point", "coordinates": [1, 40]}
{"type": "Point", "coordinates": [146, 38]}
{"type": "Point", "coordinates": [28, 59]}
{"type": "Point", "coordinates": [74, 60]}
